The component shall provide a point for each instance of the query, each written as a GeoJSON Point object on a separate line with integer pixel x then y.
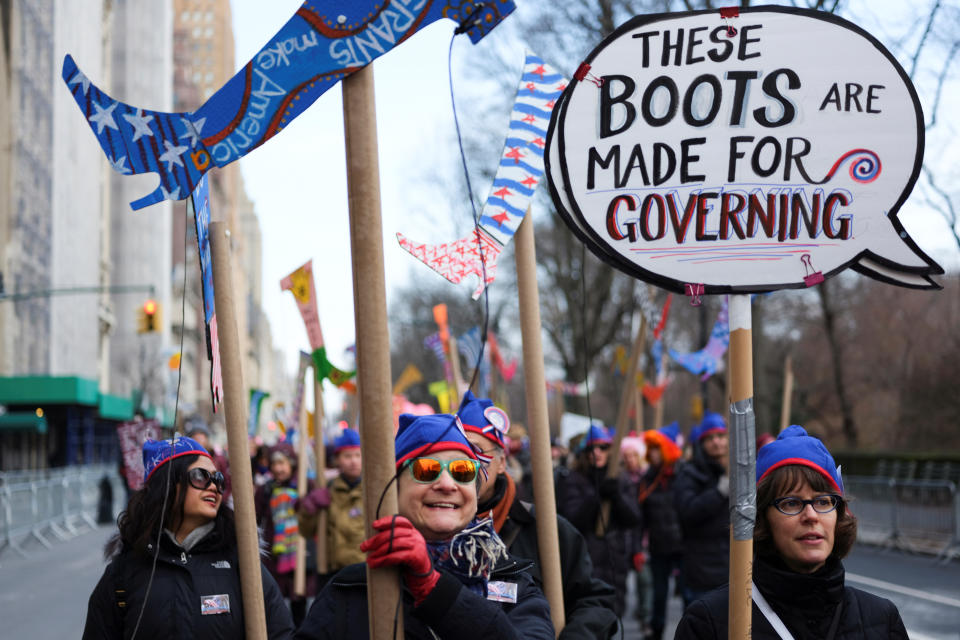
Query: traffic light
{"type": "Point", "coordinates": [149, 317]}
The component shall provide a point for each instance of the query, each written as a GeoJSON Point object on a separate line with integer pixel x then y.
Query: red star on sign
{"type": "Point", "coordinates": [501, 218]}
{"type": "Point", "coordinates": [531, 87]}
{"type": "Point", "coordinates": [514, 154]}
{"type": "Point", "coordinates": [530, 118]}
{"type": "Point", "coordinates": [561, 86]}
{"type": "Point", "coordinates": [539, 71]}
{"type": "Point", "coordinates": [538, 141]}
{"type": "Point", "coordinates": [502, 193]}
{"type": "Point", "coordinates": [550, 104]}
{"type": "Point", "coordinates": [529, 181]}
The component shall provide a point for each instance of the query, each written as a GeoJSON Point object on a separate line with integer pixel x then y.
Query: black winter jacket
{"type": "Point", "coordinates": [181, 582]}
{"type": "Point", "coordinates": [578, 500]}
{"type": "Point", "coordinates": [660, 519]}
{"type": "Point", "coordinates": [705, 520]}
{"type": "Point", "coordinates": [807, 605]}
{"type": "Point", "coordinates": [449, 612]}
{"type": "Point", "coordinates": [587, 602]}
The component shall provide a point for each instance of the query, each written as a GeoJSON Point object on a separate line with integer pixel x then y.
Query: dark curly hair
{"type": "Point", "coordinates": [139, 524]}
{"type": "Point", "coordinates": [778, 483]}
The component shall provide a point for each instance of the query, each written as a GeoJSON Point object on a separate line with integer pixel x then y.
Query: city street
{"type": "Point", "coordinates": [45, 595]}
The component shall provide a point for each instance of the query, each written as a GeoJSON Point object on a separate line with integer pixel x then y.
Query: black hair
{"type": "Point", "coordinates": [139, 523]}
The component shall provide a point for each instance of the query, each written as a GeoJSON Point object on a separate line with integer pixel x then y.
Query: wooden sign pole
{"type": "Point", "coordinates": [742, 468]}
{"type": "Point", "coordinates": [623, 422]}
{"type": "Point", "coordinates": [638, 410]}
{"type": "Point", "coordinates": [235, 415]}
{"type": "Point", "coordinates": [538, 423]}
{"type": "Point", "coordinates": [303, 438]}
{"type": "Point", "coordinates": [787, 393]}
{"type": "Point", "coordinates": [373, 338]}
{"type": "Point", "coordinates": [320, 453]}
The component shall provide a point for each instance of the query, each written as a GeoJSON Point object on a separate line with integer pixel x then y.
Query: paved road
{"type": "Point", "coordinates": [45, 595]}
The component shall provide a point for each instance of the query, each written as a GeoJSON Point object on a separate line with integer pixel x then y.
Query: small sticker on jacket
{"type": "Point", "coordinates": [502, 591]}
{"type": "Point", "coordinates": [212, 605]}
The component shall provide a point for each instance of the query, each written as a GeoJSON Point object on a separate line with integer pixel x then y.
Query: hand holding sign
{"type": "Point", "coordinates": [748, 162]}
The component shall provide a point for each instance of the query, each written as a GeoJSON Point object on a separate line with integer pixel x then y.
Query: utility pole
{"type": "Point", "coordinates": [105, 316]}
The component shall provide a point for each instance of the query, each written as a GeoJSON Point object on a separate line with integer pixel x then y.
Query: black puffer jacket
{"type": "Point", "coordinates": [807, 605]}
{"type": "Point", "coordinates": [183, 579]}
{"type": "Point", "coordinates": [705, 520]}
{"type": "Point", "coordinates": [587, 602]}
{"type": "Point", "coordinates": [579, 500]}
{"type": "Point", "coordinates": [660, 519]}
{"type": "Point", "coordinates": [449, 612]}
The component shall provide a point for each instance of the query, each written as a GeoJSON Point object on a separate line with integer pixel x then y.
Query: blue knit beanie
{"type": "Point", "coordinates": [348, 439]}
{"type": "Point", "coordinates": [711, 423]}
{"type": "Point", "coordinates": [479, 415]}
{"type": "Point", "coordinates": [794, 446]}
{"type": "Point", "coordinates": [422, 435]}
{"type": "Point", "coordinates": [158, 452]}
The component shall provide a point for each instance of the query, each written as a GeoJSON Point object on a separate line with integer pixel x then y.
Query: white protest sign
{"type": "Point", "coordinates": [766, 157]}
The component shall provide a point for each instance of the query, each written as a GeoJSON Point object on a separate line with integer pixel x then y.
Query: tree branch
{"type": "Point", "coordinates": [923, 38]}
{"type": "Point", "coordinates": [941, 80]}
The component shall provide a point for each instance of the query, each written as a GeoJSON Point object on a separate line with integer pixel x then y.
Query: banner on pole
{"type": "Point", "coordinates": [132, 435]}
{"type": "Point", "coordinates": [519, 173]}
{"type": "Point", "coordinates": [322, 43]}
{"type": "Point", "coordinates": [684, 153]}
{"type": "Point", "coordinates": [198, 206]}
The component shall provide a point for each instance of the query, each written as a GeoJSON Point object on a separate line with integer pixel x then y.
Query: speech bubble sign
{"type": "Point", "coordinates": [763, 157]}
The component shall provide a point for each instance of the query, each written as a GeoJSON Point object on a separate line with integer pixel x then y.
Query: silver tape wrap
{"type": "Point", "coordinates": [743, 470]}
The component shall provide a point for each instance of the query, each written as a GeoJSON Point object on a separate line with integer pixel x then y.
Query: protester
{"type": "Point", "coordinates": [580, 493]}
{"type": "Point", "coordinates": [587, 601]}
{"type": "Point", "coordinates": [701, 497]}
{"type": "Point", "coordinates": [174, 569]}
{"type": "Point", "coordinates": [275, 504]}
{"type": "Point", "coordinates": [343, 500]}
{"type": "Point", "coordinates": [660, 521]}
{"type": "Point", "coordinates": [450, 561]}
{"type": "Point", "coordinates": [803, 531]}
{"type": "Point", "coordinates": [260, 465]}
{"type": "Point", "coordinates": [632, 450]}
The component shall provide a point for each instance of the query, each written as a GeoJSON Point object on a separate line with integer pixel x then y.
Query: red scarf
{"type": "Point", "coordinates": [502, 509]}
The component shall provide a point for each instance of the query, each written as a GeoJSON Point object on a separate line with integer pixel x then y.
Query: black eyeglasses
{"type": "Point", "coordinates": [791, 506]}
{"type": "Point", "coordinates": [200, 478]}
{"type": "Point", "coordinates": [600, 447]}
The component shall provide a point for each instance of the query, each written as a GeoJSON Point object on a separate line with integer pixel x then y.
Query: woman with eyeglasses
{"type": "Point", "coordinates": [174, 571]}
{"type": "Point", "coordinates": [580, 493]}
{"type": "Point", "coordinates": [458, 580]}
{"type": "Point", "coordinates": [803, 530]}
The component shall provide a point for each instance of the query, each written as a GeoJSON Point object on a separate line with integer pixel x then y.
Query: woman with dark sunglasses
{"type": "Point", "coordinates": [459, 581]}
{"type": "Point", "coordinates": [803, 530]}
{"type": "Point", "coordinates": [174, 571]}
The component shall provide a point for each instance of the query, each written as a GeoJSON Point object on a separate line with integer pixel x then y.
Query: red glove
{"type": "Point", "coordinates": [639, 559]}
{"type": "Point", "coordinates": [399, 544]}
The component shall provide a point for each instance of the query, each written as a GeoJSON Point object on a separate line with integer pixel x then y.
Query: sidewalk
{"type": "Point", "coordinates": [45, 595]}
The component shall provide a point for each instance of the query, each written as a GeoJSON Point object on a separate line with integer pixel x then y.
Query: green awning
{"type": "Point", "coordinates": [23, 421]}
{"type": "Point", "coordinates": [115, 407]}
{"type": "Point", "coordinates": [41, 390]}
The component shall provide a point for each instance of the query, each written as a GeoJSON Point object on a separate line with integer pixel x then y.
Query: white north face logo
{"type": "Point", "coordinates": [220, 564]}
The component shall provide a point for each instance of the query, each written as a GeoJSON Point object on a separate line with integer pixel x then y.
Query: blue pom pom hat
{"type": "Point", "coordinates": [479, 415]}
{"type": "Point", "coordinates": [156, 453]}
{"type": "Point", "coordinates": [421, 435]}
{"type": "Point", "coordinates": [794, 446]}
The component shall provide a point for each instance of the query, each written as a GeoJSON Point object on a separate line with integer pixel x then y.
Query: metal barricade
{"type": "Point", "coordinates": [915, 515]}
{"type": "Point", "coordinates": [39, 507]}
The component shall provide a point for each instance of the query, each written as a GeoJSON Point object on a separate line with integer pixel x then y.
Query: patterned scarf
{"type": "Point", "coordinates": [470, 555]}
{"type": "Point", "coordinates": [284, 528]}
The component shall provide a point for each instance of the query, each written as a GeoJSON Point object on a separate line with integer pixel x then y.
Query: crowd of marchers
{"type": "Point", "coordinates": [465, 541]}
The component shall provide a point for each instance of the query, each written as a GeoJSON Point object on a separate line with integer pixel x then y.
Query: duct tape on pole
{"type": "Point", "coordinates": [320, 453]}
